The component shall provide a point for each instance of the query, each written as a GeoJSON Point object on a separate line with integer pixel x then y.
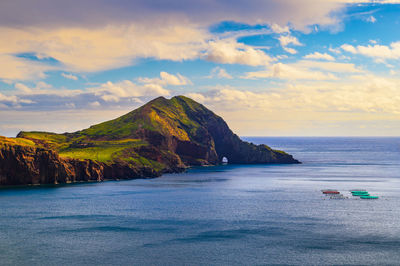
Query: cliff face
{"type": "Point", "coordinates": [216, 136]}
{"type": "Point", "coordinates": [161, 136]}
{"type": "Point", "coordinates": [21, 165]}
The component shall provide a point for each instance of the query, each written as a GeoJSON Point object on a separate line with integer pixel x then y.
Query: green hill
{"type": "Point", "coordinates": [161, 136]}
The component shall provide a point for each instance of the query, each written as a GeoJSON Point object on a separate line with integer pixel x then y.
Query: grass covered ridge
{"type": "Point", "coordinates": [102, 151]}
{"type": "Point", "coordinates": [146, 137]}
{"type": "Point", "coordinates": [16, 141]}
{"type": "Point", "coordinates": [120, 138]}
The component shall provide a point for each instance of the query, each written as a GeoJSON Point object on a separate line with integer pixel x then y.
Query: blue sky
{"type": "Point", "coordinates": [269, 68]}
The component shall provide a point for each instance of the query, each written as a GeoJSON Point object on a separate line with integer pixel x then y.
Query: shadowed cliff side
{"type": "Point", "coordinates": [227, 144]}
{"type": "Point", "coordinates": [161, 136]}
{"type": "Point", "coordinates": [25, 164]}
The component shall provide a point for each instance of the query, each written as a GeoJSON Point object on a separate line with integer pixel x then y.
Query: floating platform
{"type": "Point", "coordinates": [360, 193]}
{"type": "Point", "coordinates": [335, 194]}
{"type": "Point", "coordinates": [369, 197]}
{"type": "Point", "coordinates": [330, 192]}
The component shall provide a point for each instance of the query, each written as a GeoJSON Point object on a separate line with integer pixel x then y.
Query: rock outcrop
{"type": "Point", "coordinates": [161, 136]}
{"type": "Point", "coordinates": [22, 165]}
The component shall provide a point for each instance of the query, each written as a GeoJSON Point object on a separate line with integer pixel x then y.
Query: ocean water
{"type": "Point", "coordinates": [226, 215]}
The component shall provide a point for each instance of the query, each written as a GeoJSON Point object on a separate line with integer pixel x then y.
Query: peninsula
{"type": "Point", "coordinates": [162, 136]}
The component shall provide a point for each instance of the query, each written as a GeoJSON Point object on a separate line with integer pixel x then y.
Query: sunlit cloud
{"type": "Point", "coordinates": [272, 58]}
{"type": "Point", "coordinates": [377, 51]}
{"type": "Point", "coordinates": [285, 40]}
{"type": "Point", "coordinates": [167, 79]}
{"type": "Point", "coordinates": [363, 98]}
{"type": "Point", "coordinates": [305, 70]}
{"type": "Point", "coordinates": [318, 55]}
{"type": "Point", "coordinates": [88, 50]}
{"type": "Point", "coordinates": [69, 76]}
{"type": "Point", "coordinates": [231, 52]}
{"type": "Point", "coordinates": [218, 72]}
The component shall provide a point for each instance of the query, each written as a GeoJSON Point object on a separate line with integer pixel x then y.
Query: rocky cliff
{"type": "Point", "coordinates": [161, 136]}
{"type": "Point", "coordinates": [21, 165]}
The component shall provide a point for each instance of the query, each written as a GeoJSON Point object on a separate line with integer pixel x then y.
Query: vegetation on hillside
{"type": "Point", "coordinates": [152, 136]}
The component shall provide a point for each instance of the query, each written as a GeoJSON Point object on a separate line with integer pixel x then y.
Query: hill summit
{"type": "Point", "coordinates": [164, 135]}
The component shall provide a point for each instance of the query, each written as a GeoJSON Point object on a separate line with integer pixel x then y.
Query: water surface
{"type": "Point", "coordinates": [253, 215]}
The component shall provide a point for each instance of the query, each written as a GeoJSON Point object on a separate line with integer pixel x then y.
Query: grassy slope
{"type": "Point", "coordinates": [15, 141]}
{"type": "Point", "coordinates": [113, 140]}
{"type": "Point", "coordinates": [107, 141]}
{"type": "Point", "coordinates": [78, 147]}
{"type": "Point", "coordinates": [161, 115]}
{"type": "Point", "coordinates": [102, 151]}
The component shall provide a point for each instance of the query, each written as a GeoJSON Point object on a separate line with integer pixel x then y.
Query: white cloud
{"type": "Point", "coordinates": [167, 79]}
{"type": "Point", "coordinates": [283, 56]}
{"type": "Point", "coordinates": [288, 39]}
{"type": "Point", "coordinates": [371, 19]}
{"type": "Point", "coordinates": [305, 70]}
{"type": "Point", "coordinates": [334, 50]}
{"type": "Point", "coordinates": [69, 76]}
{"type": "Point", "coordinates": [367, 98]}
{"type": "Point", "coordinates": [196, 96]}
{"type": "Point", "coordinates": [95, 104]}
{"type": "Point", "coordinates": [376, 51]}
{"type": "Point", "coordinates": [278, 29]}
{"type": "Point", "coordinates": [95, 49]}
{"type": "Point", "coordinates": [220, 73]}
{"type": "Point", "coordinates": [300, 13]}
{"type": "Point", "coordinates": [336, 67]}
{"type": "Point", "coordinates": [115, 34]}
{"type": "Point", "coordinates": [114, 92]}
{"type": "Point", "coordinates": [13, 100]}
{"type": "Point", "coordinates": [15, 68]}
{"type": "Point", "coordinates": [43, 88]}
{"type": "Point", "coordinates": [177, 80]}
{"type": "Point", "coordinates": [290, 72]}
{"type": "Point", "coordinates": [349, 48]}
{"type": "Point", "coordinates": [317, 55]}
{"type": "Point", "coordinates": [231, 52]}
{"type": "Point", "coordinates": [5, 98]}
{"type": "Point", "coordinates": [290, 50]}
{"type": "Point", "coordinates": [370, 1]}
{"type": "Point", "coordinates": [285, 40]}
{"type": "Point", "coordinates": [43, 96]}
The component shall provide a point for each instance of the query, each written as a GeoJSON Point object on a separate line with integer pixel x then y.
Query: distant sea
{"type": "Point", "coordinates": [225, 215]}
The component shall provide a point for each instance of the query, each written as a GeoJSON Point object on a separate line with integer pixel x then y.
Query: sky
{"type": "Point", "coordinates": [268, 67]}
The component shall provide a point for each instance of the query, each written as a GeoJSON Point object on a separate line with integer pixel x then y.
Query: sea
{"type": "Point", "coordinates": [223, 215]}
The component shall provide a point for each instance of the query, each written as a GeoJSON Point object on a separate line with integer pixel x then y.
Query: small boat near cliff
{"type": "Point", "coordinates": [330, 191]}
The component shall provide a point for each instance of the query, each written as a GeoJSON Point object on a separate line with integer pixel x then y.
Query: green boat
{"type": "Point", "coordinates": [369, 197]}
{"type": "Point", "coordinates": [361, 195]}
{"type": "Point", "coordinates": [360, 192]}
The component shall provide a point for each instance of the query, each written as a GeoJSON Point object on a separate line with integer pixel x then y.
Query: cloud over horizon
{"type": "Point", "coordinates": [253, 57]}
